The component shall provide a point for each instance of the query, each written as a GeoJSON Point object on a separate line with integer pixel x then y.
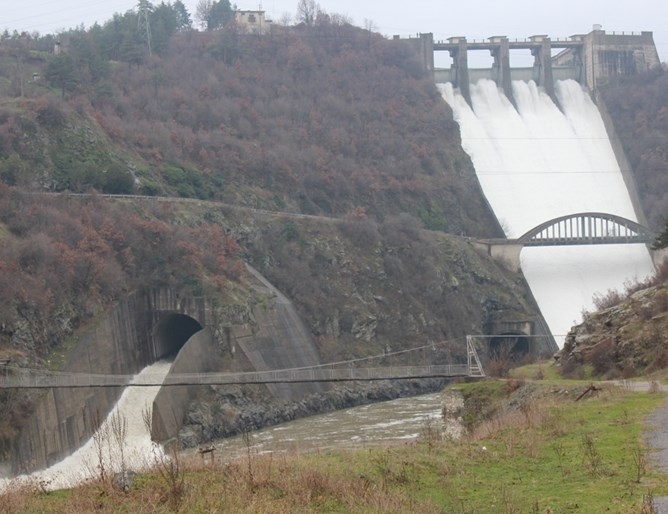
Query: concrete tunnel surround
{"type": "Point", "coordinates": [519, 345]}
{"type": "Point", "coordinates": [172, 332]}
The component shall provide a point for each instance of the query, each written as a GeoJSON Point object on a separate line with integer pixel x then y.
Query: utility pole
{"type": "Point", "coordinates": [143, 23]}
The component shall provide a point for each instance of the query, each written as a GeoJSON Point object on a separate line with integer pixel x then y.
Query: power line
{"type": "Point", "coordinates": [66, 19]}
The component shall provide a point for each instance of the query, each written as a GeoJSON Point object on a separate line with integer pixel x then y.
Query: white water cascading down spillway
{"type": "Point", "coordinates": [122, 442]}
{"type": "Point", "coordinates": [537, 162]}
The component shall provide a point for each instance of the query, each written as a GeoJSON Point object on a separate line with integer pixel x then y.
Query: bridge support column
{"type": "Point", "coordinates": [501, 66]}
{"type": "Point", "coordinates": [504, 251]}
{"type": "Point", "coordinates": [508, 255]}
{"type": "Point", "coordinates": [543, 64]}
{"type": "Point", "coordinates": [460, 67]}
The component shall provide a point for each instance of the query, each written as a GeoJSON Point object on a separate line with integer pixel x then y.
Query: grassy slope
{"type": "Point", "coordinates": [553, 453]}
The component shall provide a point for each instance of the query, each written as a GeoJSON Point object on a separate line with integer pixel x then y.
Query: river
{"type": "Point", "coordinates": [403, 419]}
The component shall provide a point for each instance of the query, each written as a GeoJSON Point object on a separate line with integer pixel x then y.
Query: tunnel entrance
{"type": "Point", "coordinates": [172, 332]}
{"type": "Point", "coordinates": [510, 346]}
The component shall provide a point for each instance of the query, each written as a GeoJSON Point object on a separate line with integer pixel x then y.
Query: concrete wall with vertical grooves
{"type": "Point", "coordinates": [123, 342]}
{"type": "Point", "coordinates": [172, 402]}
{"type": "Point", "coordinates": [64, 419]}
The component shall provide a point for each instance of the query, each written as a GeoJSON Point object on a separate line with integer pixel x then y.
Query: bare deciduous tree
{"type": "Point", "coordinates": [307, 12]}
{"type": "Point", "coordinates": [202, 11]}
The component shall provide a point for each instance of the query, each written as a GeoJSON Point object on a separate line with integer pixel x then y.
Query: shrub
{"type": "Point", "coordinates": [601, 357]}
{"type": "Point", "coordinates": [49, 112]}
{"type": "Point", "coordinates": [607, 300]}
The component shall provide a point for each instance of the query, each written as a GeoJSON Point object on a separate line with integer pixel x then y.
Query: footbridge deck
{"type": "Point", "coordinates": [23, 378]}
{"type": "Point", "coordinates": [587, 228]}
{"type": "Point", "coordinates": [31, 380]}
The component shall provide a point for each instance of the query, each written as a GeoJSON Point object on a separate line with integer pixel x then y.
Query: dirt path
{"type": "Point", "coordinates": [656, 438]}
{"type": "Point", "coordinates": [656, 435]}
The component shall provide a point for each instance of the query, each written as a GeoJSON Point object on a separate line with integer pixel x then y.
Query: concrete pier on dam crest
{"type": "Point", "coordinates": [586, 58]}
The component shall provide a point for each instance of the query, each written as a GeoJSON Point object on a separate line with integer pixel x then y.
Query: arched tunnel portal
{"type": "Point", "coordinates": [510, 346]}
{"type": "Point", "coordinates": [172, 332]}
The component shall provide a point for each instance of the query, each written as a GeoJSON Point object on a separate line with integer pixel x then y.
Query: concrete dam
{"type": "Point", "coordinates": [586, 58]}
{"type": "Point", "coordinates": [550, 164]}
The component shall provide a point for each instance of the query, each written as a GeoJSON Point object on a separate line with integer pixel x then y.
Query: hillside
{"type": "Point", "coordinates": [329, 119]}
{"type": "Point", "coordinates": [327, 160]}
{"type": "Point", "coordinates": [317, 120]}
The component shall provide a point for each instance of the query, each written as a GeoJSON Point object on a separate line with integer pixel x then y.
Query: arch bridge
{"type": "Point", "coordinates": [584, 228]}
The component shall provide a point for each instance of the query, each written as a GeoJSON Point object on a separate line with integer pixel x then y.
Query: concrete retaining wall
{"type": "Point", "coordinates": [622, 161]}
{"type": "Point", "coordinates": [280, 341]}
{"type": "Point", "coordinates": [64, 419]}
{"type": "Point", "coordinates": [123, 342]}
{"type": "Point", "coordinates": [198, 355]}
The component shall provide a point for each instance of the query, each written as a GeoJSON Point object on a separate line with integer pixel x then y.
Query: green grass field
{"type": "Point", "coordinates": [549, 455]}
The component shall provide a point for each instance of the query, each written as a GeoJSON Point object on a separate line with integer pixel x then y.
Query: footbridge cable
{"type": "Point", "coordinates": [23, 378]}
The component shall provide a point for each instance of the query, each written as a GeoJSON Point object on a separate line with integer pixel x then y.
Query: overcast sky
{"type": "Point", "coordinates": [474, 19]}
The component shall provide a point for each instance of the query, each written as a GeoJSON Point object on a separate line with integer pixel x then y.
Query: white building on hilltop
{"type": "Point", "coordinates": [252, 22]}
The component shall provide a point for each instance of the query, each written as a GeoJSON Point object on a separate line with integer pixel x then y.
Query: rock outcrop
{"type": "Point", "coordinates": [624, 340]}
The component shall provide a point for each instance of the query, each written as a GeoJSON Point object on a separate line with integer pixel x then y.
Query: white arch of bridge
{"type": "Point", "coordinates": [586, 228]}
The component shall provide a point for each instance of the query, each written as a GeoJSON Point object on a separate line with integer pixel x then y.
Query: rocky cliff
{"type": "Point", "coordinates": [627, 337]}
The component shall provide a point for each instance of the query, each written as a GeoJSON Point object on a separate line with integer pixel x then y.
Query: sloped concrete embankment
{"type": "Point", "coordinates": [122, 342]}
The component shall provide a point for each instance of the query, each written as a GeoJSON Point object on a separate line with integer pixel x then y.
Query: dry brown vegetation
{"type": "Point", "coordinates": [323, 119]}
{"type": "Point", "coordinates": [76, 256]}
{"type": "Point", "coordinates": [277, 484]}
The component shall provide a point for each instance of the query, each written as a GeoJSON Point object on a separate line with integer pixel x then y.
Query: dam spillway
{"type": "Point", "coordinates": [537, 161]}
{"type": "Point", "coordinates": [122, 442]}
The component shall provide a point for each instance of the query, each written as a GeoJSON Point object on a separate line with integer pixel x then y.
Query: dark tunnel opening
{"type": "Point", "coordinates": [172, 332]}
{"type": "Point", "coordinates": [510, 346]}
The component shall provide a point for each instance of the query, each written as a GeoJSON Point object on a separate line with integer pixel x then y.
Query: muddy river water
{"type": "Point", "coordinates": [403, 419]}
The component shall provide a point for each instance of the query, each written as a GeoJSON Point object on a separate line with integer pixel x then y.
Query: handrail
{"type": "Point", "coordinates": [33, 379]}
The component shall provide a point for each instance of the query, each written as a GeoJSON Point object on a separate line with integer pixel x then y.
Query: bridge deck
{"type": "Point", "coordinates": [31, 380]}
{"type": "Point", "coordinates": [512, 44]}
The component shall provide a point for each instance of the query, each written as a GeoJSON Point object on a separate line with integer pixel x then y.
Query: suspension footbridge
{"type": "Point", "coordinates": [23, 378]}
